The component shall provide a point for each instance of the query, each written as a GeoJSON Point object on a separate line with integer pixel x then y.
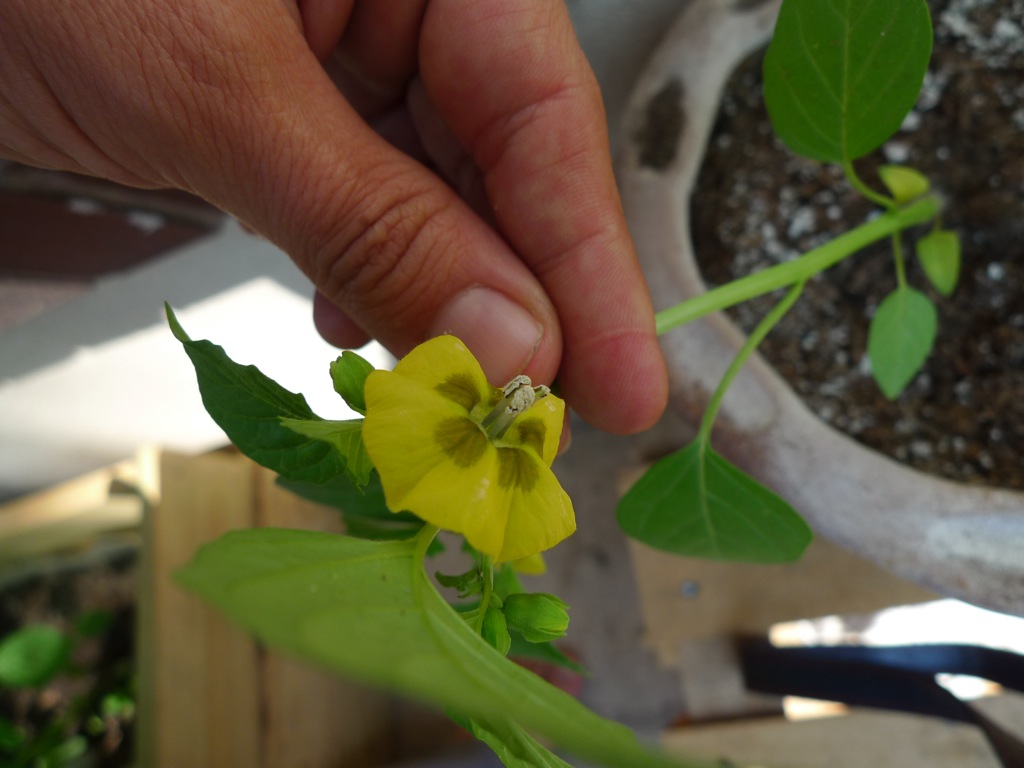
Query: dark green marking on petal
{"type": "Point", "coordinates": [516, 470]}
{"type": "Point", "coordinates": [462, 440]}
{"type": "Point", "coordinates": [531, 434]}
{"type": "Point", "coordinates": [460, 388]}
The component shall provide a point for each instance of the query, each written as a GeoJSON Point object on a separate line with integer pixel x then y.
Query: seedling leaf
{"type": "Point", "coordinates": [840, 75]}
{"type": "Point", "coordinates": [32, 656]}
{"type": "Point", "coordinates": [904, 184]}
{"type": "Point", "coordinates": [696, 504]}
{"type": "Point", "coordinates": [939, 254]}
{"type": "Point", "coordinates": [365, 609]}
{"type": "Point", "coordinates": [901, 336]}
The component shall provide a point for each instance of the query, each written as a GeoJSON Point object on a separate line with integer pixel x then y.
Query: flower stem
{"type": "Point", "coordinates": [791, 272]}
{"type": "Point", "coordinates": [753, 340]}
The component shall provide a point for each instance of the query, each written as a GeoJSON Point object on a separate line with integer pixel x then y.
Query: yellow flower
{"type": "Point", "coordinates": [465, 456]}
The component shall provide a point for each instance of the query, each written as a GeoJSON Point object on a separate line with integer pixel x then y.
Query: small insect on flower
{"type": "Point", "coordinates": [466, 456]}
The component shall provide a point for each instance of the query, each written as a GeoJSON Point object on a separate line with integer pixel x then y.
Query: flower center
{"type": "Point", "coordinates": [517, 396]}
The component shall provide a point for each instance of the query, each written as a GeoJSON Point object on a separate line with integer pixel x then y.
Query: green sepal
{"type": "Point", "coordinates": [465, 584]}
{"type": "Point", "coordinates": [345, 436]}
{"type": "Point", "coordinates": [349, 374]}
{"type": "Point", "coordinates": [696, 504]}
{"type": "Point", "coordinates": [939, 255]}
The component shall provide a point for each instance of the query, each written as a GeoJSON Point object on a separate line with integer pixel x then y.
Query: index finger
{"type": "Point", "coordinates": [516, 90]}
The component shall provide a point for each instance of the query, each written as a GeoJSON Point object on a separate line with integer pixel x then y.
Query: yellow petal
{"type": "Point", "coordinates": [444, 364]}
{"type": "Point", "coordinates": [538, 428]}
{"type": "Point", "coordinates": [539, 515]}
{"type": "Point", "coordinates": [533, 565]}
{"type": "Point", "coordinates": [401, 419]}
{"type": "Point", "coordinates": [464, 501]}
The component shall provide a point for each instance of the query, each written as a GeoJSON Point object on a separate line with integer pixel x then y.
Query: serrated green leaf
{"type": "Point", "coordinates": [32, 656]}
{"type": "Point", "coordinates": [345, 436]}
{"type": "Point", "coordinates": [696, 504]}
{"type": "Point", "coordinates": [900, 339]}
{"type": "Point", "coordinates": [249, 407]}
{"type": "Point", "coordinates": [349, 374]}
{"type": "Point", "coordinates": [904, 184]}
{"type": "Point", "coordinates": [939, 254]}
{"type": "Point", "coordinates": [840, 75]}
{"type": "Point", "coordinates": [366, 609]}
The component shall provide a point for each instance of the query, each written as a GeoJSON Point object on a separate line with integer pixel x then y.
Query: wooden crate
{"type": "Point", "coordinates": [210, 696]}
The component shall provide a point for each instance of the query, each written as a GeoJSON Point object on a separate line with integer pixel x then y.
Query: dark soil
{"type": "Point", "coordinates": [756, 204]}
{"type": "Point", "coordinates": [101, 664]}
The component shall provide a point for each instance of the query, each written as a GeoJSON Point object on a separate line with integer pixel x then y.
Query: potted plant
{"type": "Point", "coordinates": [955, 538]}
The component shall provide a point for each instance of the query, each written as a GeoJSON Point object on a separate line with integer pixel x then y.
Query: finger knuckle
{"type": "Point", "coordinates": [387, 253]}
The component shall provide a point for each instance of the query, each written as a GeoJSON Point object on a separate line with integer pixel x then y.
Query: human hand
{"type": "Point", "coordinates": [328, 125]}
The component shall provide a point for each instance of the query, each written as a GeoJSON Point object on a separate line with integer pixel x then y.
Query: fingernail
{"type": "Point", "coordinates": [501, 334]}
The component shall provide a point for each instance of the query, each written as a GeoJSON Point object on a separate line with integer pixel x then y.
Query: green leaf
{"type": "Point", "coordinates": [363, 509]}
{"type": "Point", "coordinates": [33, 656]}
{"type": "Point", "coordinates": [695, 503]}
{"type": "Point", "coordinates": [349, 374]}
{"type": "Point", "coordinates": [249, 407]}
{"type": "Point", "coordinates": [904, 184]}
{"type": "Point", "coordinates": [513, 746]}
{"type": "Point", "coordinates": [900, 339]}
{"type": "Point", "coordinates": [345, 436]}
{"type": "Point", "coordinates": [66, 751]}
{"type": "Point", "coordinates": [546, 652]}
{"type": "Point", "coordinates": [939, 254]}
{"type": "Point", "coordinates": [840, 75]}
{"type": "Point", "coordinates": [94, 623]}
{"type": "Point", "coordinates": [11, 736]}
{"type": "Point", "coordinates": [367, 610]}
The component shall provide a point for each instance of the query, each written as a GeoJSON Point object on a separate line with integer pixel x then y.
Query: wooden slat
{"type": "Point", "coordinates": [311, 718]}
{"type": "Point", "coordinates": [209, 695]}
{"type": "Point", "coordinates": [199, 682]}
{"type": "Point", "coordinates": [70, 515]}
{"type": "Point", "coordinates": [685, 599]}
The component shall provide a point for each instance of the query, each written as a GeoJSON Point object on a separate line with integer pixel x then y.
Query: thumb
{"type": "Point", "coordinates": [381, 237]}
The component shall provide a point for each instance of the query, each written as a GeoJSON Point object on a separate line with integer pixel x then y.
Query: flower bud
{"type": "Point", "coordinates": [495, 631]}
{"type": "Point", "coordinates": [539, 617]}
